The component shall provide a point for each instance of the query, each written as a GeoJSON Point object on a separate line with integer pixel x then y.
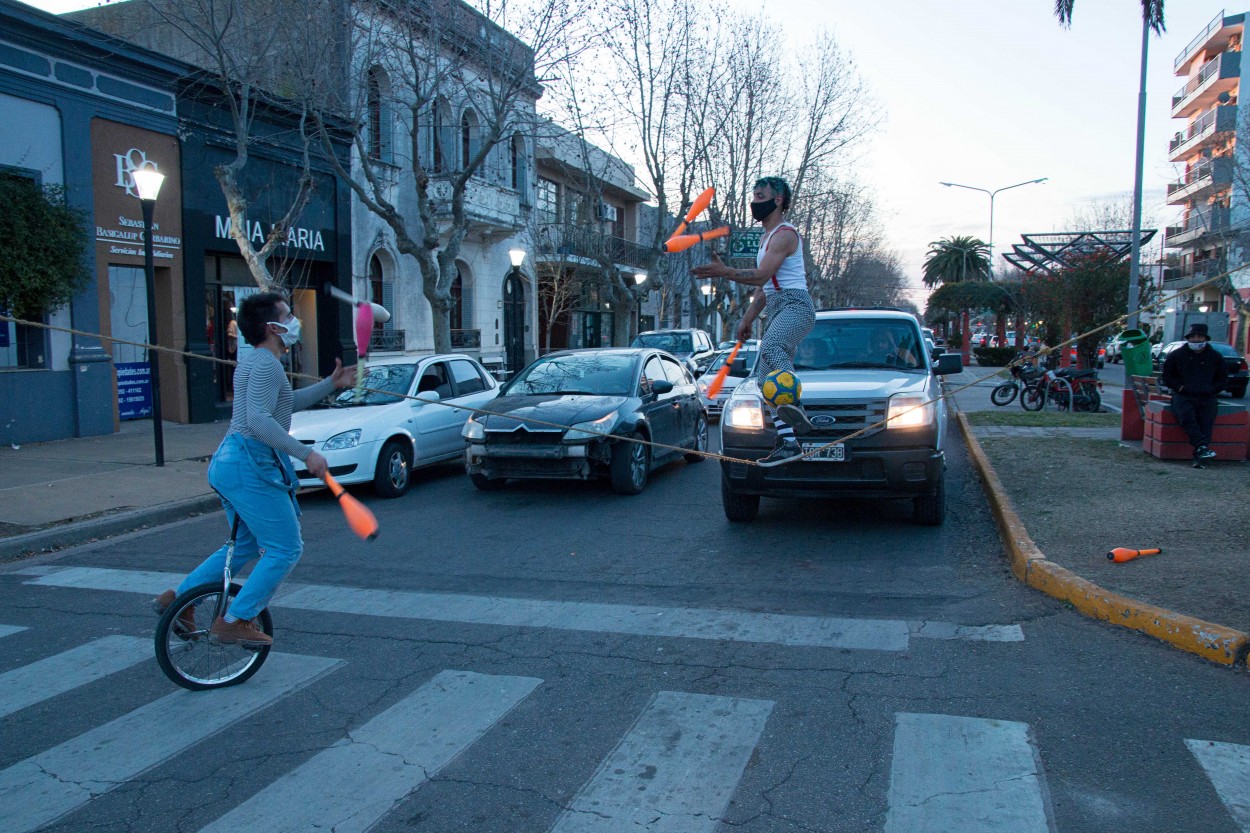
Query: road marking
{"type": "Point", "coordinates": [967, 774]}
{"type": "Point", "coordinates": [351, 785]}
{"type": "Point", "coordinates": [44, 787]}
{"type": "Point", "coordinates": [58, 674]}
{"type": "Point", "coordinates": [674, 771]}
{"type": "Point", "coordinates": [9, 630]}
{"type": "Point", "coordinates": [1228, 767]}
{"type": "Point", "coordinates": [640, 620]}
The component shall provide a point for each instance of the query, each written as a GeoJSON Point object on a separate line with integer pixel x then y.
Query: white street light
{"type": "Point", "coordinates": [640, 277]}
{"type": "Point", "coordinates": [992, 195]}
{"type": "Point", "coordinates": [148, 182]}
{"type": "Point", "coordinates": [706, 289]}
{"type": "Point", "coordinates": [517, 256]}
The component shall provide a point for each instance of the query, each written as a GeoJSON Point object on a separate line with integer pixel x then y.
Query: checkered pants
{"type": "Point", "coordinates": [791, 315]}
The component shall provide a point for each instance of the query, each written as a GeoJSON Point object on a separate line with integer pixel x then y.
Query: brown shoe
{"type": "Point", "coordinates": [186, 620]}
{"type": "Point", "coordinates": [243, 632]}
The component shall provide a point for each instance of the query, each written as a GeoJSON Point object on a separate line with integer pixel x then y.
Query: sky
{"type": "Point", "coordinates": [989, 93]}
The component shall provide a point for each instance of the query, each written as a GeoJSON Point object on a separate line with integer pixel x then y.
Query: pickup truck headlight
{"type": "Point", "coordinates": [348, 439]}
{"type": "Point", "coordinates": [909, 412]}
{"type": "Point", "coordinates": [473, 430]}
{"type": "Point", "coordinates": [593, 430]}
{"type": "Point", "coordinates": [745, 413]}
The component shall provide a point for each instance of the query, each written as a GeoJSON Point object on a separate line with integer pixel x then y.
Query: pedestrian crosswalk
{"type": "Point", "coordinates": [675, 768]}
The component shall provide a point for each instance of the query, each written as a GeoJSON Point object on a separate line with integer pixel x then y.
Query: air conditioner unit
{"type": "Point", "coordinates": [606, 212]}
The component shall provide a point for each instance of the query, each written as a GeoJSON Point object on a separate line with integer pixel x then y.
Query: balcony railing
{"type": "Point", "coordinates": [493, 205]}
{"type": "Point", "coordinates": [1206, 175]}
{"type": "Point", "coordinates": [386, 340]}
{"type": "Point", "coordinates": [466, 339]}
{"type": "Point", "coordinates": [1194, 274]}
{"type": "Point", "coordinates": [1198, 224]}
{"type": "Point", "coordinates": [1225, 65]}
{"type": "Point", "coordinates": [1215, 25]}
{"type": "Point", "coordinates": [586, 242]}
{"type": "Point", "coordinates": [1222, 119]}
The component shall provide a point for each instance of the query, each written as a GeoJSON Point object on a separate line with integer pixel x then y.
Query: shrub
{"type": "Point", "coordinates": [994, 356]}
{"type": "Point", "coordinates": [44, 242]}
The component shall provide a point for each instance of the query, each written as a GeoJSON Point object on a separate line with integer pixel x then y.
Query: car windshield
{"type": "Point", "coordinates": [600, 374]}
{"type": "Point", "coordinates": [677, 343]}
{"type": "Point", "coordinates": [748, 356]}
{"type": "Point", "coordinates": [867, 343]}
{"type": "Point", "coordinates": [386, 384]}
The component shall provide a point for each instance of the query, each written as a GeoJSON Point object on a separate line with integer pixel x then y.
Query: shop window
{"type": "Point", "coordinates": [21, 347]}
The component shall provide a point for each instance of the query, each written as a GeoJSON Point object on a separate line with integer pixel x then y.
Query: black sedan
{"type": "Point", "coordinates": [572, 416]}
{"type": "Point", "coordinates": [1234, 363]}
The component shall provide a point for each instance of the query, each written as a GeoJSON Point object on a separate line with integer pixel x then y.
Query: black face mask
{"type": "Point", "coordinates": [760, 210]}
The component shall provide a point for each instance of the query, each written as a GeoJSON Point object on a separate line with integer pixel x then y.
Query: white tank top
{"type": "Point", "coordinates": [792, 274]}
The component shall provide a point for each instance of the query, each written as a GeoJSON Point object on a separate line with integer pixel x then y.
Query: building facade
{"type": "Point", "coordinates": [1211, 193]}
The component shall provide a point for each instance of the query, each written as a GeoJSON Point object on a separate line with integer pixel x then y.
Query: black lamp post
{"type": "Point", "coordinates": [514, 313]}
{"type": "Point", "coordinates": [148, 183]}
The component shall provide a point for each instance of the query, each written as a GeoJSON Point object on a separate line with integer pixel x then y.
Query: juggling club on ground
{"type": "Point", "coordinates": [1121, 554]}
{"type": "Point", "coordinates": [718, 380]}
{"type": "Point", "coordinates": [359, 518]}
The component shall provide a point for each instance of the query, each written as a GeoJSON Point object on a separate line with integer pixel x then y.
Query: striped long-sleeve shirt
{"type": "Point", "coordinates": [264, 401]}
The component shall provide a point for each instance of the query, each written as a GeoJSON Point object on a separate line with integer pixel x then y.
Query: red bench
{"type": "Point", "coordinates": [1164, 438]}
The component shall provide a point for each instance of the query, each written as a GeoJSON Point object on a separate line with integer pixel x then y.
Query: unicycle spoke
{"type": "Point", "coordinates": [195, 659]}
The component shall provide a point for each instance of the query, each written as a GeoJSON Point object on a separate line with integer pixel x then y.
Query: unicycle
{"type": "Point", "coordinates": [188, 654]}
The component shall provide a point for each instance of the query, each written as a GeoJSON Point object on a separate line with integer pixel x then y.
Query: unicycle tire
{"type": "Point", "coordinates": [195, 660]}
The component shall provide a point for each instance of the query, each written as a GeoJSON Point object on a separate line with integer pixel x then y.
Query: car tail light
{"type": "Point", "coordinates": [1243, 365]}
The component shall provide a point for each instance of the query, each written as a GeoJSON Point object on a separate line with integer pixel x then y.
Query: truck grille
{"type": "Point", "coordinates": [848, 417]}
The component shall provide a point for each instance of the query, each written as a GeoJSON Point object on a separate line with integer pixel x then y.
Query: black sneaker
{"type": "Point", "coordinates": [796, 418]}
{"type": "Point", "coordinates": [1204, 453]}
{"type": "Point", "coordinates": [784, 451]}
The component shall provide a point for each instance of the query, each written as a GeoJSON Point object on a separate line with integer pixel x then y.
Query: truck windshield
{"type": "Point", "coordinates": [863, 343]}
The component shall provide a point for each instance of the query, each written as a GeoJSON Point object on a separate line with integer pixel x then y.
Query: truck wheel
{"type": "Point", "coordinates": [930, 510]}
{"type": "Point", "coordinates": [739, 508]}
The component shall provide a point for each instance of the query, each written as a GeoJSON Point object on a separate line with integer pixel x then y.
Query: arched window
{"type": "Point", "coordinates": [470, 138]}
{"type": "Point", "coordinates": [442, 137]}
{"type": "Point", "coordinates": [377, 114]}
{"type": "Point", "coordinates": [457, 302]}
{"type": "Point", "coordinates": [516, 149]}
{"type": "Point", "coordinates": [381, 291]}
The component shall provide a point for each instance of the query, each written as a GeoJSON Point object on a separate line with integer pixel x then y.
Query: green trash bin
{"type": "Point", "coordinates": [1135, 350]}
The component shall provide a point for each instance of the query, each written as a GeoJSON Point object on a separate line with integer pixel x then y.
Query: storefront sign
{"type": "Point", "coordinates": [296, 238]}
{"type": "Point", "coordinates": [134, 389]}
{"type": "Point", "coordinates": [118, 151]}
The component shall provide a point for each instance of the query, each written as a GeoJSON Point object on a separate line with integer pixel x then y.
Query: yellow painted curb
{"type": "Point", "coordinates": [1210, 641]}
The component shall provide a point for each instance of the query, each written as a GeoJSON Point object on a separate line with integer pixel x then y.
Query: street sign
{"type": "Point", "coordinates": [745, 242]}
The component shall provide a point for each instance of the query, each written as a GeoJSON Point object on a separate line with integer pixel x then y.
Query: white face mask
{"type": "Point", "coordinates": [1196, 345]}
{"type": "Point", "coordinates": [291, 337]}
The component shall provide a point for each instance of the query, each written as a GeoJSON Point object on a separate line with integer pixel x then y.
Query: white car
{"type": "Point", "coordinates": [378, 438]}
{"type": "Point", "coordinates": [715, 406]}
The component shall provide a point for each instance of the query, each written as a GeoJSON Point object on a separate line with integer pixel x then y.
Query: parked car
{"type": "Point", "coordinates": [1234, 363]}
{"type": "Point", "coordinates": [379, 437]}
{"type": "Point", "coordinates": [849, 386]}
{"type": "Point", "coordinates": [937, 340]}
{"type": "Point", "coordinates": [743, 362]}
{"type": "Point", "coordinates": [694, 345]}
{"type": "Point", "coordinates": [1112, 349]}
{"type": "Point", "coordinates": [606, 397]}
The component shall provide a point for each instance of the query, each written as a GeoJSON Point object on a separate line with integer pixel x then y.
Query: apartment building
{"type": "Point", "coordinates": [1211, 193]}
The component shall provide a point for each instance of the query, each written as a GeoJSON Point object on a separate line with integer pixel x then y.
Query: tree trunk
{"type": "Point", "coordinates": [965, 347]}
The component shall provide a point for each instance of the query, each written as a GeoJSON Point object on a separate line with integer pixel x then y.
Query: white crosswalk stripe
{"type": "Point", "coordinates": [50, 784]}
{"type": "Point", "coordinates": [1228, 767]}
{"type": "Point", "coordinates": [965, 774]}
{"type": "Point", "coordinates": [674, 771]}
{"type": "Point", "coordinates": [351, 785]}
{"type": "Point", "coordinates": [641, 620]}
{"type": "Point", "coordinates": [9, 630]}
{"type": "Point", "coordinates": [64, 672]}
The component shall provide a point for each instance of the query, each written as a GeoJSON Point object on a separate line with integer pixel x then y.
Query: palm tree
{"type": "Point", "coordinates": [955, 259]}
{"type": "Point", "coordinates": [1151, 12]}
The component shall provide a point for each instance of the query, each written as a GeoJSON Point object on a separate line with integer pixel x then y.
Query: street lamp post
{"type": "Point", "coordinates": [706, 289]}
{"type": "Point", "coordinates": [148, 183]}
{"type": "Point", "coordinates": [993, 194]}
{"type": "Point", "coordinates": [514, 313]}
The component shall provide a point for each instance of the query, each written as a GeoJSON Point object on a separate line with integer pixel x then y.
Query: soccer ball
{"type": "Point", "coordinates": [781, 387]}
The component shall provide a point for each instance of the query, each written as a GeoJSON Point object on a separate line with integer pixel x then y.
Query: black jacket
{"type": "Point", "coordinates": [1194, 372]}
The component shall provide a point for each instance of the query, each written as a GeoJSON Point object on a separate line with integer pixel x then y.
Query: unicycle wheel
{"type": "Point", "coordinates": [194, 660]}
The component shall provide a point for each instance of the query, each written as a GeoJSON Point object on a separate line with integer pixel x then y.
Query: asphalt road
{"type": "Point", "coordinates": [554, 657]}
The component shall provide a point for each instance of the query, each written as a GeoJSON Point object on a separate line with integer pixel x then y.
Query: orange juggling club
{"type": "Point", "coordinates": [696, 208]}
{"type": "Point", "coordinates": [684, 241]}
{"type": "Point", "coordinates": [1121, 554]}
{"type": "Point", "coordinates": [719, 380]}
{"type": "Point", "coordinates": [359, 518]}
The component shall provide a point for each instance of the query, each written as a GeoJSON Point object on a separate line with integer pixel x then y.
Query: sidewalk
{"type": "Point", "coordinates": [1078, 492]}
{"type": "Point", "coordinates": [64, 492]}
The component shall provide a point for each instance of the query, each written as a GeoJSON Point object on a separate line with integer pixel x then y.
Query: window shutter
{"type": "Point", "coordinates": [388, 301]}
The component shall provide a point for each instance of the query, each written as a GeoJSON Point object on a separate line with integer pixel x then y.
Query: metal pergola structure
{"type": "Point", "coordinates": [1057, 250]}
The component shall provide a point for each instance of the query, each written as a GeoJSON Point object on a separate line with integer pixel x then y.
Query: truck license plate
{"type": "Point", "coordinates": [828, 453]}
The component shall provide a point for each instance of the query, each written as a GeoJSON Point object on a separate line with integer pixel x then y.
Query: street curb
{"type": "Point", "coordinates": [81, 532]}
{"type": "Point", "coordinates": [1029, 564]}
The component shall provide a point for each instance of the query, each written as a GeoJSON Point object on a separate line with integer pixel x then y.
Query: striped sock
{"type": "Point", "coordinates": [784, 432]}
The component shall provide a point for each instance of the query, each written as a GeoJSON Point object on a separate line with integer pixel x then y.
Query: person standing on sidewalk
{"type": "Point", "coordinates": [780, 278]}
{"type": "Point", "coordinates": [252, 472]}
{"type": "Point", "coordinates": [1195, 374]}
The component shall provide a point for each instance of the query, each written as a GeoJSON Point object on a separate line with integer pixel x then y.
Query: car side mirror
{"type": "Point", "coordinates": [948, 363]}
{"type": "Point", "coordinates": [661, 386]}
{"type": "Point", "coordinates": [426, 396]}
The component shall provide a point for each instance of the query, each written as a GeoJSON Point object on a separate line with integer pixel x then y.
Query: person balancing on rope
{"type": "Point", "coordinates": [780, 278]}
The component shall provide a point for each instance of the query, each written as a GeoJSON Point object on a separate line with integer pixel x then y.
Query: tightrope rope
{"type": "Point", "coordinates": [949, 393]}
